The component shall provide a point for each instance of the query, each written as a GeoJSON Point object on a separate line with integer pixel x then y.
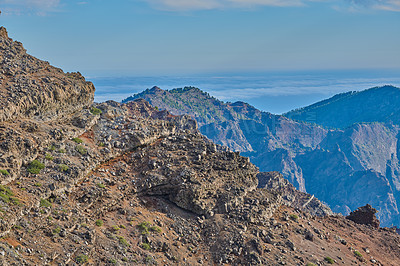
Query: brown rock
{"type": "Point", "coordinates": [364, 215]}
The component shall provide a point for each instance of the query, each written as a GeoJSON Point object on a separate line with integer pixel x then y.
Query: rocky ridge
{"type": "Point", "coordinates": [127, 184]}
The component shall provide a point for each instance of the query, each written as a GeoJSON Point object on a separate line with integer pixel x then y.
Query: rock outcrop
{"type": "Point", "coordinates": [32, 88]}
{"type": "Point", "coordinates": [364, 215]}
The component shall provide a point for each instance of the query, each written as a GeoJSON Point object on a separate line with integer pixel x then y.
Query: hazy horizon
{"type": "Point", "coordinates": [275, 92]}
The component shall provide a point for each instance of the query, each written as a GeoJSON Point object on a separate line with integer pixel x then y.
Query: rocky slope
{"type": "Point", "coordinates": [379, 104]}
{"type": "Point", "coordinates": [344, 168]}
{"type": "Point", "coordinates": [126, 184]}
{"type": "Point", "coordinates": [30, 87]}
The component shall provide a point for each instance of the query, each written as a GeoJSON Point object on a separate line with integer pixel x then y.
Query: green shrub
{"type": "Point", "coordinates": [123, 241]}
{"type": "Point", "coordinates": [144, 227]}
{"type": "Point", "coordinates": [155, 229]}
{"type": "Point", "coordinates": [358, 254]}
{"type": "Point", "coordinates": [95, 111]}
{"type": "Point", "coordinates": [6, 190]}
{"type": "Point", "coordinates": [56, 230]}
{"type": "Point", "coordinates": [329, 260]}
{"type": "Point", "coordinates": [124, 259]}
{"type": "Point", "coordinates": [62, 151]}
{"type": "Point", "coordinates": [81, 259]}
{"type": "Point", "coordinates": [49, 157]}
{"type": "Point", "coordinates": [310, 264]}
{"type": "Point", "coordinates": [4, 172]}
{"type": "Point", "coordinates": [82, 150]}
{"type": "Point", "coordinates": [52, 148]}
{"type": "Point", "coordinates": [145, 246]}
{"type": "Point", "coordinates": [77, 140]}
{"type": "Point", "coordinates": [5, 198]}
{"type": "Point", "coordinates": [35, 167]}
{"type": "Point", "coordinates": [99, 222]}
{"type": "Point", "coordinates": [101, 144]}
{"type": "Point", "coordinates": [113, 261]}
{"type": "Point", "coordinates": [122, 226]}
{"type": "Point", "coordinates": [294, 217]}
{"type": "Point", "coordinates": [63, 167]}
{"type": "Point", "coordinates": [100, 185]}
{"type": "Point", "coordinates": [45, 203]}
{"type": "Point", "coordinates": [115, 228]}
{"type": "Point", "coordinates": [37, 185]}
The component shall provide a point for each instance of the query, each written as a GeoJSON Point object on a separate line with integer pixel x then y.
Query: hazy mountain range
{"type": "Point", "coordinates": [344, 150]}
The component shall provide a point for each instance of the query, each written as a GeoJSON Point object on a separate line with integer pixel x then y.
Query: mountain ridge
{"type": "Point", "coordinates": [277, 143]}
{"type": "Point", "coordinates": [343, 110]}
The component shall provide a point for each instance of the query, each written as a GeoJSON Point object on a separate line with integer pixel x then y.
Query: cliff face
{"type": "Point", "coordinates": [334, 164]}
{"type": "Point", "coordinates": [31, 88]}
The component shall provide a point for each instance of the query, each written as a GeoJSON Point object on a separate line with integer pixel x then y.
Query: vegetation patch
{"type": "Point", "coordinates": [49, 157]}
{"type": "Point", "coordinates": [294, 217]}
{"type": "Point", "coordinates": [144, 227]}
{"type": "Point", "coordinates": [123, 241]}
{"type": "Point", "coordinates": [100, 185]}
{"type": "Point", "coordinates": [77, 140]}
{"type": "Point", "coordinates": [329, 260]}
{"type": "Point", "coordinates": [45, 203]}
{"type": "Point", "coordinates": [4, 172]}
{"type": "Point", "coordinates": [358, 254]}
{"type": "Point", "coordinates": [82, 150]}
{"type": "Point", "coordinates": [155, 229]}
{"type": "Point", "coordinates": [99, 222]}
{"type": "Point", "coordinates": [145, 246]}
{"type": "Point", "coordinates": [81, 259]}
{"type": "Point", "coordinates": [95, 111]}
{"type": "Point", "coordinates": [63, 167]}
{"type": "Point", "coordinates": [35, 167]}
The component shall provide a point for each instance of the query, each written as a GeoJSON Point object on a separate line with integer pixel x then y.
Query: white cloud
{"type": "Point", "coordinates": [21, 7]}
{"type": "Point", "coordinates": [388, 5]}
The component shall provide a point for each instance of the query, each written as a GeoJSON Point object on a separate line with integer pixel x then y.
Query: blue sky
{"type": "Point", "coordinates": [185, 37]}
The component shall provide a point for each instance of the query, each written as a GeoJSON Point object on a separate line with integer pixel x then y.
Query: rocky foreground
{"type": "Point", "coordinates": [126, 184]}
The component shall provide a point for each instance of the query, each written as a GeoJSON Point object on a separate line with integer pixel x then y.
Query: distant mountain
{"type": "Point", "coordinates": [344, 168]}
{"type": "Point", "coordinates": [379, 104]}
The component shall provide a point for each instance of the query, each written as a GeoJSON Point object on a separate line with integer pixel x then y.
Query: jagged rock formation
{"type": "Point", "coordinates": [345, 168]}
{"type": "Point", "coordinates": [364, 215]}
{"type": "Point", "coordinates": [127, 184]}
{"type": "Point", "coordinates": [291, 196]}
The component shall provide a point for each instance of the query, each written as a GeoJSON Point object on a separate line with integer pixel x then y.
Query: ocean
{"type": "Point", "coordinates": [272, 92]}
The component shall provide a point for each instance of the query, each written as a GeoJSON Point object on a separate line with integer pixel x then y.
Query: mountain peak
{"type": "Point", "coordinates": [3, 33]}
{"type": "Point", "coordinates": [155, 88]}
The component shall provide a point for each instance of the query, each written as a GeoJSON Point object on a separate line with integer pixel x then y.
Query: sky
{"type": "Point", "coordinates": [155, 38]}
